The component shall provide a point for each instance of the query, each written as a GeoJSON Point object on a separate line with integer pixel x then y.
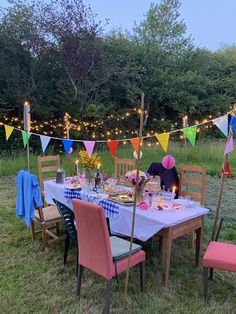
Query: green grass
{"type": "Point", "coordinates": [34, 281]}
{"type": "Point", "coordinates": [209, 154]}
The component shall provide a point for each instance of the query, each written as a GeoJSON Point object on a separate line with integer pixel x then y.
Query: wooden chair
{"type": "Point", "coordinates": [48, 218]}
{"type": "Point", "coordinates": [192, 180]}
{"type": "Point", "coordinates": [122, 166]}
{"type": "Point", "coordinates": [52, 164]}
{"type": "Point", "coordinates": [193, 176]}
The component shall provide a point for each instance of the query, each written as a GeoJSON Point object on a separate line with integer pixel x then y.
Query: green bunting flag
{"type": "Point", "coordinates": [25, 137]}
{"type": "Point", "coordinates": [191, 133]}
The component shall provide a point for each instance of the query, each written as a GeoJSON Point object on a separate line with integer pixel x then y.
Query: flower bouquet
{"type": "Point", "coordinates": [141, 180]}
{"type": "Point", "coordinates": [89, 164]}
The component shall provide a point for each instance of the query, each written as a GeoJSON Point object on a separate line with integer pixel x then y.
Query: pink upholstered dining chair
{"type": "Point", "coordinates": [220, 256]}
{"type": "Point", "coordinates": [96, 248]}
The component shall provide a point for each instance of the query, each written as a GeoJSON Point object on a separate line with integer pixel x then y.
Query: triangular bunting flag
{"type": "Point", "coordinates": [222, 124]}
{"type": "Point", "coordinates": [230, 146]}
{"type": "Point", "coordinates": [112, 147]}
{"type": "Point", "coordinates": [67, 145]}
{"type": "Point", "coordinates": [233, 123]}
{"type": "Point", "coordinates": [44, 142]}
{"type": "Point", "coordinates": [191, 133]}
{"type": "Point", "coordinates": [226, 170]}
{"type": "Point", "coordinates": [135, 143]}
{"type": "Point", "coordinates": [89, 145]}
{"type": "Point", "coordinates": [163, 140]}
{"type": "Point", "coordinates": [25, 137]}
{"type": "Point", "coordinates": [8, 131]}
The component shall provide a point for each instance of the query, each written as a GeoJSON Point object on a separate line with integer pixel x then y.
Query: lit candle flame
{"type": "Point", "coordinates": [98, 167]}
{"type": "Point", "coordinates": [174, 189]}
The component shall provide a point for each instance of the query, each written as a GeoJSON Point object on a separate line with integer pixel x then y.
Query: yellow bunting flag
{"type": "Point", "coordinates": [8, 131]}
{"type": "Point", "coordinates": [163, 140]}
{"type": "Point", "coordinates": [135, 143]}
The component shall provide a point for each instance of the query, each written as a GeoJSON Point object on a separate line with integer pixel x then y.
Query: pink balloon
{"type": "Point", "coordinates": [168, 162]}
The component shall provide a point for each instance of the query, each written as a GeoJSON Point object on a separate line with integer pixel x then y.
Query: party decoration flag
{"type": "Point", "coordinates": [25, 137]}
{"type": "Point", "coordinates": [222, 124]}
{"type": "Point", "coordinates": [8, 131]}
{"type": "Point", "coordinates": [113, 147]}
{"type": "Point", "coordinates": [163, 140]}
{"type": "Point", "coordinates": [135, 143]}
{"type": "Point", "coordinates": [233, 123]}
{"type": "Point", "coordinates": [191, 133]}
{"type": "Point", "coordinates": [44, 142]}
{"type": "Point", "coordinates": [67, 145]}
{"type": "Point", "coordinates": [226, 170]}
{"type": "Point", "coordinates": [71, 150]}
{"type": "Point", "coordinates": [229, 146]}
{"type": "Point", "coordinates": [89, 145]}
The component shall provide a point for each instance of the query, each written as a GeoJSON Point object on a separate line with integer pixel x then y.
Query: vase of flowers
{"type": "Point", "coordinates": [139, 181]}
{"type": "Point", "coordinates": [89, 164]}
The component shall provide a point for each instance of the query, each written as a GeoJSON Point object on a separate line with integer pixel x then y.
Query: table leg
{"type": "Point", "coordinates": [199, 238]}
{"type": "Point", "coordinates": [166, 253]}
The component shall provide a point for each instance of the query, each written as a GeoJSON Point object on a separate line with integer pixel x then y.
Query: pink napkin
{"type": "Point", "coordinates": [143, 206]}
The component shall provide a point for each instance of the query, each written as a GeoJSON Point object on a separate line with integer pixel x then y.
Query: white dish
{"type": "Point", "coordinates": [182, 201]}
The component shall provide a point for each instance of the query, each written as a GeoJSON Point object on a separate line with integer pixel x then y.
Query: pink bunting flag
{"type": "Point", "coordinates": [230, 146]}
{"type": "Point", "coordinates": [89, 145]}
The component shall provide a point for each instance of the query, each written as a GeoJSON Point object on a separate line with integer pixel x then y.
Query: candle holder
{"type": "Point", "coordinates": [97, 181]}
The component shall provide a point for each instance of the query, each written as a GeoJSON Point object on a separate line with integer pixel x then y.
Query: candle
{"type": "Point", "coordinates": [98, 166]}
{"type": "Point", "coordinates": [77, 167]}
{"type": "Point", "coordinates": [174, 189]}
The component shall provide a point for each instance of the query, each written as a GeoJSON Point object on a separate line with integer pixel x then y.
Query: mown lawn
{"type": "Point", "coordinates": [34, 281]}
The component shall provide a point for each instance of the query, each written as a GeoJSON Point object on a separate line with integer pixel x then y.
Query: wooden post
{"type": "Point", "coordinates": [27, 129]}
{"type": "Point", "coordinates": [67, 127]}
{"type": "Point", "coordinates": [135, 197]}
{"type": "Point", "coordinates": [222, 179]}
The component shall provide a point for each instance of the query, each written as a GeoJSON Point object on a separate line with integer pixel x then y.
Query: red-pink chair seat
{"type": "Point", "coordinates": [122, 264]}
{"type": "Point", "coordinates": [221, 256]}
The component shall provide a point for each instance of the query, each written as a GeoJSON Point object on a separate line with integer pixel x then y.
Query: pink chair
{"type": "Point", "coordinates": [218, 255]}
{"type": "Point", "coordinates": [95, 251]}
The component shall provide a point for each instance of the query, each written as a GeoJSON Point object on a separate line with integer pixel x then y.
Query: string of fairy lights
{"type": "Point", "coordinates": [68, 123]}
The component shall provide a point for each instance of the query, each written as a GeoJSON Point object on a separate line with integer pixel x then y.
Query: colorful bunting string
{"type": "Point", "coordinates": [135, 143]}
{"type": "Point", "coordinates": [89, 145]}
{"type": "Point", "coordinates": [163, 140]}
{"type": "Point", "coordinates": [8, 131]}
{"type": "Point", "coordinates": [222, 124]}
{"type": "Point", "coordinates": [44, 142]}
{"type": "Point", "coordinates": [67, 145]}
{"type": "Point", "coordinates": [191, 133]}
{"type": "Point", "coordinates": [229, 146]}
{"type": "Point", "coordinates": [25, 137]}
{"type": "Point", "coordinates": [112, 145]}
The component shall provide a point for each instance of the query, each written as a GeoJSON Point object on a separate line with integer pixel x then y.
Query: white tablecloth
{"type": "Point", "coordinates": [147, 223]}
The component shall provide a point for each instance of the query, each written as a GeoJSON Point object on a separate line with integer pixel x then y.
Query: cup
{"type": "Point", "coordinates": [188, 199]}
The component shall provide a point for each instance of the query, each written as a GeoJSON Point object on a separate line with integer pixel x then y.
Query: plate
{"type": "Point", "coordinates": [182, 201]}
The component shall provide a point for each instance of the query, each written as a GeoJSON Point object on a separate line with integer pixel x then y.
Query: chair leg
{"type": "Point", "coordinates": [58, 227]}
{"type": "Point", "coordinates": [142, 275]}
{"type": "Point", "coordinates": [33, 230]}
{"type": "Point", "coordinates": [79, 280]}
{"type": "Point", "coordinates": [77, 260]}
{"type": "Point", "coordinates": [211, 274]}
{"type": "Point", "coordinates": [67, 243]}
{"type": "Point", "coordinates": [44, 236]}
{"type": "Point", "coordinates": [205, 282]}
{"type": "Point", "coordinates": [160, 244]}
{"type": "Point", "coordinates": [108, 296]}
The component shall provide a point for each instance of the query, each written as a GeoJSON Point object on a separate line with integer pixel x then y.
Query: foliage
{"type": "Point", "coordinates": [89, 163]}
{"type": "Point", "coordinates": [55, 54]}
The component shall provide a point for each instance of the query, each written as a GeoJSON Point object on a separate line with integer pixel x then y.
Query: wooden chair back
{"type": "Point", "coordinates": [46, 166]}
{"type": "Point", "coordinates": [192, 182]}
{"type": "Point", "coordinates": [122, 166]}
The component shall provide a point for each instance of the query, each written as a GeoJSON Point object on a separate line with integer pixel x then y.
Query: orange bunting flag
{"type": "Point", "coordinates": [135, 143]}
{"type": "Point", "coordinates": [163, 140]}
{"type": "Point", "coordinates": [8, 131]}
{"type": "Point", "coordinates": [113, 147]}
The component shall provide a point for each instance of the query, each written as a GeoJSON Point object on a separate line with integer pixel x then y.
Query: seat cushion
{"type": "Point", "coordinates": [49, 212]}
{"type": "Point", "coordinates": [122, 264]}
{"type": "Point", "coordinates": [221, 256]}
{"type": "Point", "coordinates": [120, 248]}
